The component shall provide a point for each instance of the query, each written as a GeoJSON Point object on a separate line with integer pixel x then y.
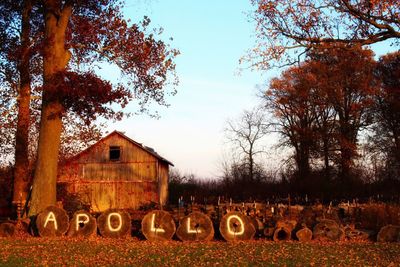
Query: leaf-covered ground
{"type": "Point", "coordinates": [102, 251]}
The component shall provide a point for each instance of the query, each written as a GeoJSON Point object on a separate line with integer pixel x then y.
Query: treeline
{"type": "Point", "coordinates": [326, 105]}
{"type": "Point", "coordinates": [337, 112]}
{"type": "Point", "coordinates": [275, 189]}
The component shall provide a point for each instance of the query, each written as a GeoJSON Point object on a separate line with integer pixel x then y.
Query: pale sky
{"type": "Point", "coordinates": [212, 35]}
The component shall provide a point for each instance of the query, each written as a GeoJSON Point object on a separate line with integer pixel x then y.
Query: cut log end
{"type": "Point", "coordinates": [235, 226]}
{"type": "Point", "coordinates": [114, 224]}
{"type": "Point", "coordinates": [389, 233]}
{"type": "Point", "coordinates": [82, 224]}
{"type": "Point", "coordinates": [52, 222]}
{"type": "Point", "coordinates": [282, 234]}
{"type": "Point", "coordinates": [328, 230]}
{"type": "Point", "coordinates": [158, 225]}
{"type": "Point", "coordinates": [269, 232]}
{"type": "Point", "coordinates": [304, 235]}
{"type": "Point", "coordinates": [195, 227]}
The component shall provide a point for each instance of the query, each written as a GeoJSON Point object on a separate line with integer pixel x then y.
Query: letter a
{"type": "Point", "coordinates": [51, 218]}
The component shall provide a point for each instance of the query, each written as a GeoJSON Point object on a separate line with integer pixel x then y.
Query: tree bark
{"type": "Point", "coordinates": [21, 168]}
{"type": "Point", "coordinates": [55, 60]}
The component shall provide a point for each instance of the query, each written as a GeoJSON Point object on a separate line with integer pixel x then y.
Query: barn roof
{"type": "Point", "coordinates": [146, 148]}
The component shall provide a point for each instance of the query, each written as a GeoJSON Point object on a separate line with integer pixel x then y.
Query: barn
{"type": "Point", "coordinates": [116, 172]}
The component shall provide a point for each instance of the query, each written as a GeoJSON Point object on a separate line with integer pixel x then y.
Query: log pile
{"type": "Point", "coordinates": [235, 222]}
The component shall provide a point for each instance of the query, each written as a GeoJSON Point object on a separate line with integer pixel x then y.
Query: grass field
{"type": "Point", "coordinates": [101, 251]}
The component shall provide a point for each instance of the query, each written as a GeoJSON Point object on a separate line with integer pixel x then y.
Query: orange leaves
{"type": "Point", "coordinates": [296, 26]}
{"type": "Point", "coordinates": [131, 252]}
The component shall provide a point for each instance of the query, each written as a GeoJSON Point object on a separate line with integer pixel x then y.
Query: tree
{"type": "Point", "coordinates": [345, 74]}
{"type": "Point", "coordinates": [16, 53]}
{"type": "Point", "coordinates": [290, 99]}
{"type": "Point", "coordinates": [325, 125]}
{"type": "Point", "coordinates": [386, 127]}
{"type": "Point", "coordinates": [287, 29]}
{"type": "Point", "coordinates": [321, 105]}
{"type": "Point", "coordinates": [245, 135]}
{"type": "Point", "coordinates": [21, 168]}
{"type": "Point", "coordinates": [90, 31]}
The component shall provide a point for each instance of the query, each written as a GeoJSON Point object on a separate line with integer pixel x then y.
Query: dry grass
{"type": "Point", "coordinates": [100, 251]}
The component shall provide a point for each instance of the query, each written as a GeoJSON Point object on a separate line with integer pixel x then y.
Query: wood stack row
{"type": "Point", "coordinates": [303, 225]}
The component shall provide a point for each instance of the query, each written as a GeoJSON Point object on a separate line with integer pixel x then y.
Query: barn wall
{"type": "Point", "coordinates": [163, 172]}
{"type": "Point", "coordinates": [137, 179]}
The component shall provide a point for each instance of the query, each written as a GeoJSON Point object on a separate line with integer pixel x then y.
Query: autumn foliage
{"type": "Point", "coordinates": [288, 29]}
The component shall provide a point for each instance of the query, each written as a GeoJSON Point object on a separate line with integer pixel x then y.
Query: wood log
{"type": "Point", "coordinates": [328, 230]}
{"type": "Point", "coordinates": [51, 222]}
{"type": "Point", "coordinates": [258, 224]}
{"type": "Point", "coordinates": [308, 216]}
{"type": "Point", "coordinates": [304, 234]}
{"type": "Point", "coordinates": [195, 227]}
{"type": "Point", "coordinates": [289, 224]}
{"type": "Point", "coordinates": [283, 230]}
{"type": "Point", "coordinates": [235, 226]}
{"type": "Point", "coordinates": [7, 229]}
{"type": "Point", "coordinates": [82, 224]}
{"type": "Point", "coordinates": [282, 233]}
{"type": "Point", "coordinates": [389, 233]}
{"type": "Point", "coordinates": [158, 225]}
{"type": "Point", "coordinates": [114, 224]}
{"type": "Point", "coordinates": [353, 234]}
{"type": "Point", "coordinates": [269, 232]}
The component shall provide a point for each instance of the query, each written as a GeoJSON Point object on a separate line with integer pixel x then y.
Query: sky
{"type": "Point", "coordinates": [212, 36]}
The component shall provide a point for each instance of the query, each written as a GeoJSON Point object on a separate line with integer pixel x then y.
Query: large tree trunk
{"type": "Point", "coordinates": [21, 169]}
{"type": "Point", "coordinates": [55, 60]}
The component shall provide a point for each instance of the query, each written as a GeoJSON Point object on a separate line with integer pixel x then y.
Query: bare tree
{"type": "Point", "coordinates": [245, 134]}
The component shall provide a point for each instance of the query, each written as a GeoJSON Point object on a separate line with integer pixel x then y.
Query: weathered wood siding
{"type": "Point", "coordinates": [163, 174]}
{"type": "Point", "coordinates": [138, 178]}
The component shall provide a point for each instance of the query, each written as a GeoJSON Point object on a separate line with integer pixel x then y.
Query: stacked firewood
{"type": "Point", "coordinates": [231, 221]}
